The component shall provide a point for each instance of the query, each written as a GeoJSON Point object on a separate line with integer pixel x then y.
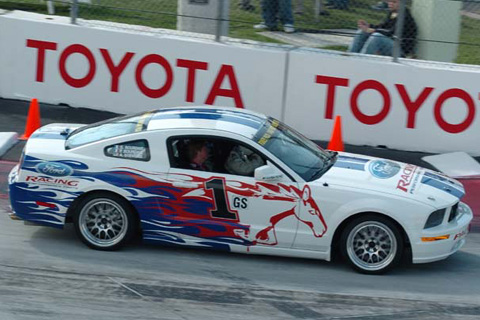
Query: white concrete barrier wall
{"type": "Point", "coordinates": [411, 106]}
{"type": "Point", "coordinates": [123, 72]}
{"type": "Point", "coordinates": [404, 106]}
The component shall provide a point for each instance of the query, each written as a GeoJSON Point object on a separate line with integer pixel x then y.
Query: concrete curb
{"type": "Point", "coordinates": [7, 140]}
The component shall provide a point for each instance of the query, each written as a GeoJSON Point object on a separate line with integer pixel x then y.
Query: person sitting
{"type": "Point", "coordinates": [198, 155]}
{"type": "Point", "coordinates": [378, 39]}
{"type": "Point", "coordinates": [243, 161]}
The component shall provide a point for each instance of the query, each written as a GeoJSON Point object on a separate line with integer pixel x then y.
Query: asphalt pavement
{"type": "Point", "coordinates": [47, 273]}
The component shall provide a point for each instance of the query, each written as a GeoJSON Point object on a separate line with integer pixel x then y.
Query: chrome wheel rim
{"type": "Point", "coordinates": [103, 222]}
{"type": "Point", "coordinates": [371, 246]}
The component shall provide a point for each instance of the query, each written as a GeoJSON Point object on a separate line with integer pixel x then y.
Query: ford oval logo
{"type": "Point", "coordinates": [383, 169]}
{"type": "Point", "coordinates": [54, 169]}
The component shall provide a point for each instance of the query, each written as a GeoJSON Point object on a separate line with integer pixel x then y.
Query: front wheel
{"type": "Point", "coordinates": [372, 244]}
{"type": "Point", "coordinates": [104, 221]}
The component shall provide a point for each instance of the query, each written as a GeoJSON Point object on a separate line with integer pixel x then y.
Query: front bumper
{"type": "Point", "coordinates": [424, 252]}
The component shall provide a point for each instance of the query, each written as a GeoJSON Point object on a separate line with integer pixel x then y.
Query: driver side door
{"type": "Point", "coordinates": [217, 208]}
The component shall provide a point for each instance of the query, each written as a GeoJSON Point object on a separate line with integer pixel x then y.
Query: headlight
{"type": "Point", "coordinates": [435, 218]}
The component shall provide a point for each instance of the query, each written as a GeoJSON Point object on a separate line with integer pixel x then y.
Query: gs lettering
{"type": "Point", "coordinates": [241, 203]}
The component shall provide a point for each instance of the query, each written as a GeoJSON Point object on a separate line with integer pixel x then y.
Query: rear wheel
{"type": "Point", "coordinates": [104, 221]}
{"type": "Point", "coordinates": [372, 244]}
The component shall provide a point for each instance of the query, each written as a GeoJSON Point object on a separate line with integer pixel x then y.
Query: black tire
{"type": "Point", "coordinates": [104, 221]}
{"type": "Point", "coordinates": [372, 244]}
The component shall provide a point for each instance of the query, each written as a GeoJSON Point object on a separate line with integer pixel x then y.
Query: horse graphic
{"type": "Point", "coordinates": [301, 201]}
{"type": "Point", "coordinates": [180, 207]}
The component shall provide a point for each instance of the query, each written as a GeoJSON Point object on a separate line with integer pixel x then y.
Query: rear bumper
{"type": "Point", "coordinates": [424, 252]}
{"type": "Point", "coordinates": [12, 177]}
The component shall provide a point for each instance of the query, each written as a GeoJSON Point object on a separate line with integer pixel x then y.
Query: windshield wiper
{"type": "Point", "coordinates": [332, 158]}
{"type": "Point", "coordinates": [333, 154]}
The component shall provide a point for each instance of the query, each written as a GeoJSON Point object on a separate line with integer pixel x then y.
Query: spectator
{"type": "Point", "coordinates": [274, 10]}
{"type": "Point", "coordinates": [378, 39]}
{"type": "Point", "coordinates": [246, 5]}
{"type": "Point", "coordinates": [198, 155]}
{"type": "Point", "coordinates": [243, 161]}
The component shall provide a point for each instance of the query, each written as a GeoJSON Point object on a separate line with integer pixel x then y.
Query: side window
{"type": "Point", "coordinates": [217, 155]}
{"type": "Point", "coordinates": [131, 150]}
{"type": "Point", "coordinates": [243, 161]}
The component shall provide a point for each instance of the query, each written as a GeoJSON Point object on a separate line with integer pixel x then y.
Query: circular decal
{"type": "Point", "coordinates": [54, 169]}
{"type": "Point", "coordinates": [383, 169]}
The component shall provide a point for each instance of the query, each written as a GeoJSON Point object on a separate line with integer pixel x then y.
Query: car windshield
{"type": "Point", "coordinates": [107, 129]}
{"type": "Point", "coordinates": [299, 153]}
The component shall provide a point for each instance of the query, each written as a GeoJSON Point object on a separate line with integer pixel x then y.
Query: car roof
{"type": "Point", "coordinates": [235, 120]}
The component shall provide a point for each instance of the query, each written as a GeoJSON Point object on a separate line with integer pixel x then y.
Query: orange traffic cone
{"type": "Point", "coordinates": [33, 119]}
{"type": "Point", "coordinates": [336, 142]}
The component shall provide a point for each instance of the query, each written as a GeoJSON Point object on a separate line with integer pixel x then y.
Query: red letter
{"type": "Point", "coordinates": [331, 82]}
{"type": "Point", "coordinates": [366, 85]}
{"type": "Point", "coordinates": [82, 82]}
{"type": "Point", "coordinates": [454, 93]}
{"type": "Point", "coordinates": [116, 71]}
{"type": "Point", "coordinates": [192, 66]}
{"type": "Point", "coordinates": [412, 106]}
{"type": "Point", "coordinates": [225, 71]}
{"type": "Point", "coordinates": [402, 185]}
{"type": "Point", "coordinates": [154, 93]}
{"type": "Point", "coordinates": [42, 46]}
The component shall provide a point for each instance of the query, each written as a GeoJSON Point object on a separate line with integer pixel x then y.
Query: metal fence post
{"type": "Point", "coordinates": [397, 48]}
{"type": "Point", "coordinates": [219, 20]}
{"type": "Point", "coordinates": [74, 11]}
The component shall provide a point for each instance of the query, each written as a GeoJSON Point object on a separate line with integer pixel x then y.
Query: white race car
{"type": "Point", "coordinates": [234, 180]}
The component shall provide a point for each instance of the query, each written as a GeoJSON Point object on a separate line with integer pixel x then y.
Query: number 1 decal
{"type": "Point", "coordinates": [220, 197]}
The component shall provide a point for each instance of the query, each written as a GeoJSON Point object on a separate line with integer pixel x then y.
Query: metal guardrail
{"type": "Point", "coordinates": [330, 24]}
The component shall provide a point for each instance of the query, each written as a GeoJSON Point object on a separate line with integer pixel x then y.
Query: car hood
{"type": "Point", "coordinates": [396, 178]}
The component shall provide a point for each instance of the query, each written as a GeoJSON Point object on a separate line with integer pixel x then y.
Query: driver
{"type": "Point", "coordinates": [243, 161]}
{"type": "Point", "coordinates": [198, 155]}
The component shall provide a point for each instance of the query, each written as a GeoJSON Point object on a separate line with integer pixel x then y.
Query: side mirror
{"type": "Point", "coordinates": [268, 173]}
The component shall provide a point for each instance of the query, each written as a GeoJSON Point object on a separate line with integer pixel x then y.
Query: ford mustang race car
{"type": "Point", "coordinates": [260, 187]}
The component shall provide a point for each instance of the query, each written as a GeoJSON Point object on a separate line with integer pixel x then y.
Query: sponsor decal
{"type": "Point", "coordinates": [461, 234]}
{"type": "Point", "coordinates": [268, 134]}
{"type": "Point", "coordinates": [411, 102]}
{"type": "Point", "coordinates": [407, 177]}
{"type": "Point", "coordinates": [383, 169]}
{"type": "Point", "coordinates": [137, 150]}
{"type": "Point", "coordinates": [54, 169]}
{"type": "Point", "coordinates": [224, 74]}
{"type": "Point", "coordinates": [53, 181]}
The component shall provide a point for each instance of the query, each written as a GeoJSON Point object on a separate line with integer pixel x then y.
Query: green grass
{"type": "Point", "coordinates": [469, 48]}
{"type": "Point", "coordinates": [163, 14]}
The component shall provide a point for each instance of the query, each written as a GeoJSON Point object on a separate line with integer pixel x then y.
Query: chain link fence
{"type": "Point", "coordinates": [437, 30]}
